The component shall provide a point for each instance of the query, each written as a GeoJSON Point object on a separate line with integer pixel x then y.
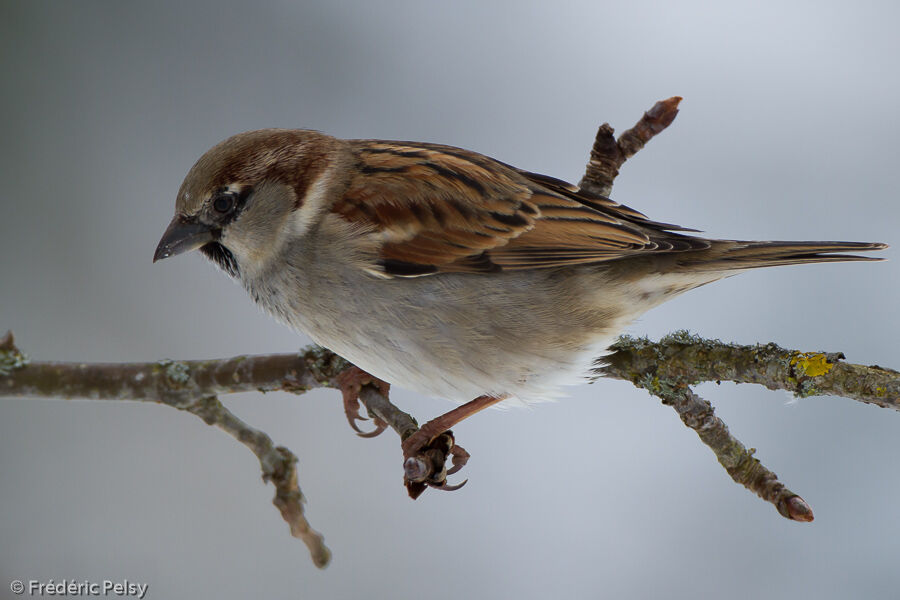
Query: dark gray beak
{"type": "Point", "coordinates": [183, 235]}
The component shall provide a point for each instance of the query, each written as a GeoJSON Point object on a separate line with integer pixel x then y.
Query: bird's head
{"type": "Point", "coordinates": [238, 203]}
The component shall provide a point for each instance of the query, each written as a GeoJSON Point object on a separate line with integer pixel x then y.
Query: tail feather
{"type": "Point", "coordinates": [726, 255]}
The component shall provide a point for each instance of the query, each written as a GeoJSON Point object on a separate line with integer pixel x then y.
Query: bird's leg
{"type": "Point", "coordinates": [425, 452]}
{"type": "Point", "coordinates": [433, 428]}
{"type": "Point", "coordinates": [350, 382]}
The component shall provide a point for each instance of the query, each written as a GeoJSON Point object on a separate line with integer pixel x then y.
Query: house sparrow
{"type": "Point", "coordinates": [442, 270]}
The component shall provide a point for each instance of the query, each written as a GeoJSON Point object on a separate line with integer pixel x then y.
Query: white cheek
{"type": "Point", "coordinates": [314, 202]}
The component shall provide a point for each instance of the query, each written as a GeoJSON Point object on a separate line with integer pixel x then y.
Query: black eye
{"type": "Point", "coordinates": [223, 203]}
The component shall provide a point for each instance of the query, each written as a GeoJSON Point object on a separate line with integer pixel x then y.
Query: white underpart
{"type": "Point", "coordinates": [556, 385]}
{"type": "Point", "coordinates": [400, 356]}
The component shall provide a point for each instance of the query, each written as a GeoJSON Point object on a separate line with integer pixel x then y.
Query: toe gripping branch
{"type": "Point", "coordinates": [350, 382]}
{"type": "Point", "coordinates": [425, 449]}
{"type": "Point", "coordinates": [425, 465]}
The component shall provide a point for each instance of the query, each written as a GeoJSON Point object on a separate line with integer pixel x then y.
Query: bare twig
{"type": "Point", "coordinates": [699, 415]}
{"type": "Point", "coordinates": [191, 386]}
{"type": "Point", "coordinates": [608, 153]}
{"type": "Point", "coordinates": [377, 404]}
{"type": "Point", "coordinates": [279, 465]}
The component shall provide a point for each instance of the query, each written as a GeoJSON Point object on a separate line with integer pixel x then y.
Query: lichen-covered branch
{"type": "Point", "coordinates": [684, 359]}
{"type": "Point", "coordinates": [699, 415]}
{"type": "Point", "coordinates": [667, 368]}
{"type": "Point", "coordinates": [192, 386]}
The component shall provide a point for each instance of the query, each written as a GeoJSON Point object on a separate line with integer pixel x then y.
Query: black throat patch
{"type": "Point", "coordinates": [221, 256]}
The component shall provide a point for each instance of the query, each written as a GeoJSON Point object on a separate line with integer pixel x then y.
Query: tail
{"type": "Point", "coordinates": [727, 255]}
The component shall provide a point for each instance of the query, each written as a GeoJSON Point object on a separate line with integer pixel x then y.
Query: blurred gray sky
{"type": "Point", "coordinates": [788, 131]}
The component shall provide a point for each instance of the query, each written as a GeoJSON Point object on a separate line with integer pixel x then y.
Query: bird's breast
{"type": "Point", "coordinates": [456, 336]}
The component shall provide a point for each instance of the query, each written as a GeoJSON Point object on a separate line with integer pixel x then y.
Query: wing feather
{"type": "Point", "coordinates": [436, 208]}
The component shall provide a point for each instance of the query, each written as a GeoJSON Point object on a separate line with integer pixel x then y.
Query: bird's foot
{"type": "Point", "coordinates": [425, 452]}
{"type": "Point", "coordinates": [350, 382]}
{"type": "Point", "coordinates": [424, 461]}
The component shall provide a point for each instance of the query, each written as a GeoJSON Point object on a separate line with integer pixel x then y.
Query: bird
{"type": "Point", "coordinates": [442, 270]}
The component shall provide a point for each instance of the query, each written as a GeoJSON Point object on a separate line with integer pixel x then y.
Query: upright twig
{"type": "Point", "coordinates": [608, 153]}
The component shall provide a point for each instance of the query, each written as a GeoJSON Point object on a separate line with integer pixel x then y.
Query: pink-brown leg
{"type": "Point", "coordinates": [350, 382]}
{"type": "Point", "coordinates": [433, 428]}
{"type": "Point", "coordinates": [426, 451]}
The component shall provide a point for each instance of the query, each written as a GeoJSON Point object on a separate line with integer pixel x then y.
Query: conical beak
{"type": "Point", "coordinates": [183, 235]}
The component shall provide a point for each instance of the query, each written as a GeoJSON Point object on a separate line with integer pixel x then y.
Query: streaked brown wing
{"type": "Point", "coordinates": [438, 208]}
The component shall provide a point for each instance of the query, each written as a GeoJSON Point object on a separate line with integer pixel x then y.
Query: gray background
{"type": "Point", "coordinates": [788, 130]}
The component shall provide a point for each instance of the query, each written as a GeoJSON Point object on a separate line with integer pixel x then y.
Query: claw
{"type": "Point", "coordinates": [351, 411]}
{"type": "Point", "coordinates": [379, 427]}
{"type": "Point", "coordinates": [350, 382]}
{"type": "Point", "coordinates": [459, 459]}
{"type": "Point", "coordinates": [448, 488]}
